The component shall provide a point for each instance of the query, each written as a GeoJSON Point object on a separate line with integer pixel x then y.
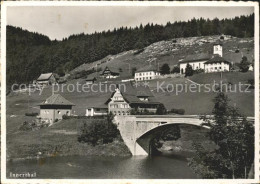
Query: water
{"type": "Point", "coordinates": [79, 167]}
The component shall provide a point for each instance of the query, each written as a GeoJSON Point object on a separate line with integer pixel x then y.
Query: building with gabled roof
{"type": "Point", "coordinates": [91, 80]}
{"type": "Point", "coordinates": [46, 79]}
{"type": "Point", "coordinates": [216, 64]}
{"type": "Point", "coordinates": [109, 73]}
{"type": "Point", "coordinates": [127, 97]}
{"type": "Point", "coordinates": [54, 107]}
{"type": "Point", "coordinates": [97, 110]}
{"type": "Point", "coordinates": [147, 73]}
{"type": "Point", "coordinates": [205, 61]}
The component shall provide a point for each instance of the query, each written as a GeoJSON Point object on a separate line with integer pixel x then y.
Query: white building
{"type": "Point", "coordinates": [97, 110]}
{"type": "Point", "coordinates": [207, 62]}
{"type": "Point", "coordinates": [217, 64]}
{"type": "Point", "coordinates": [147, 73]}
{"type": "Point", "coordinates": [196, 61]}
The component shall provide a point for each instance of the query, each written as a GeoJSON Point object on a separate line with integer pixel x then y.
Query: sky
{"type": "Point", "coordinates": [61, 22]}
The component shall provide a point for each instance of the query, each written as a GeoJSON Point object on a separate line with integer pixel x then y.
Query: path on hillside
{"type": "Point", "coordinates": [193, 82]}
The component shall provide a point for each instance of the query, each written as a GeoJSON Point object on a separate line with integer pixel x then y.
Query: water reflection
{"type": "Point", "coordinates": [136, 167]}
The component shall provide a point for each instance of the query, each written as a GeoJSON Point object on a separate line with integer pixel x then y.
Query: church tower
{"type": "Point", "coordinates": [217, 48]}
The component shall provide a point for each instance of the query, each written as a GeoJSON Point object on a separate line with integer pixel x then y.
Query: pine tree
{"type": "Point", "coordinates": [165, 69]}
{"type": "Point", "coordinates": [188, 70]}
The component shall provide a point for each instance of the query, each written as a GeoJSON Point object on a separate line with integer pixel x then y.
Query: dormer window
{"type": "Point", "coordinates": [143, 98]}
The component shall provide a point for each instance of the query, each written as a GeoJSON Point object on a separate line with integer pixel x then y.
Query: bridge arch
{"type": "Point", "coordinates": [137, 131]}
{"type": "Point", "coordinates": [145, 140]}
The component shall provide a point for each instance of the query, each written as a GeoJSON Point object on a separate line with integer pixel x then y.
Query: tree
{"type": "Point", "coordinates": [244, 64]}
{"type": "Point", "coordinates": [234, 139]}
{"type": "Point", "coordinates": [161, 110]}
{"type": "Point", "coordinates": [165, 69]}
{"type": "Point", "coordinates": [133, 70]}
{"type": "Point", "coordinates": [99, 131]}
{"type": "Point", "coordinates": [188, 70]}
{"type": "Point", "coordinates": [175, 69]}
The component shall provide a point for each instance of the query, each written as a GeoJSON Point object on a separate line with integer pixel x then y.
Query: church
{"type": "Point", "coordinates": [207, 62]}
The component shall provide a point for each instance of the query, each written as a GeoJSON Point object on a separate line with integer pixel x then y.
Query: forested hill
{"type": "Point", "coordinates": [29, 54]}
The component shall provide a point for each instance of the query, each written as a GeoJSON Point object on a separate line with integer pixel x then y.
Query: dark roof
{"type": "Point", "coordinates": [218, 42]}
{"type": "Point", "coordinates": [112, 70]}
{"type": "Point", "coordinates": [131, 93]}
{"type": "Point", "coordinates": [56, 99]}
{"type": "Point", "coordinates": [196, 57]}
{"type": "Point", "coordinates": [217, 59]}
{"type": "Point", "coordinates": [147, 69]}
{"type": "Point", "coordinates": [44, 76]}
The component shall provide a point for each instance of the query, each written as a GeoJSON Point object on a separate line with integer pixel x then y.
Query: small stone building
{"type": "Point", "coordinates": [54, 107]}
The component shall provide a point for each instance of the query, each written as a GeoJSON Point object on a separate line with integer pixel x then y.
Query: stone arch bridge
{"type": "Point", "coordinates": [137, 131]}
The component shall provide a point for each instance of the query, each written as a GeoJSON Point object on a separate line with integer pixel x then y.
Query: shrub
{"type": "Point", "coordinates": [99, 131]}
{"type": "Point", "coordinates": [178, 111]}
{"type": "Point", "coordinates": [199, 71]}
{"type": "Point", "coordinates": [161, 110]}
{"type": "Point", "coordinates": [237, 51]}
{"type": "Point", "coordinates": [244, 64]}
{"type": "Point", "coordinates": [175, 69]}
{"type": "Point", "coordinates": [222, 37]}
{"type": "Point", "coordinates": [251, 82]}
{"type": "Point", "coordinates": [31, 114]}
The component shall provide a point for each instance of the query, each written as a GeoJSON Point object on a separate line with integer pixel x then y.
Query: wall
{"type": "Point", "coordinates": [149, 75]}
{"type": "Point", "coordinates": [216, 67]}
{"type": "Point", "coordinates": [54, 113]}
{"type": "Point", "coordinates": [96, 112]}
{"type": "Point", "coordinates": [195, 65]}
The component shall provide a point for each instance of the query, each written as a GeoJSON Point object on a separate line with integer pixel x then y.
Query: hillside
{"type": "Point", "coordinates": [30, 54]}
{"type": "Point", "coordinates": [171, 51]}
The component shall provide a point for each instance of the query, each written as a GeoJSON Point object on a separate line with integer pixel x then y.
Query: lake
{"type": "Point", "coordinates": [91, 167]}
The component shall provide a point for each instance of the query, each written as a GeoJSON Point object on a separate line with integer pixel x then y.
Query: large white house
{"type": "Point", "coordinates": [207, 62]}
{"type": "Point", "coordinates": [147, 73]}
{"type": "Point", "coordinates": [127, 97]}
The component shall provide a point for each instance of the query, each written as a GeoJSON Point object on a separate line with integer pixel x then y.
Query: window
{"type": "Point", "coordinates": [119, 113]}
{"type": "Point", "coordinates": [220, 67]}
{"type": "Point", "coordinates": [150, 77]}
{"type": "Point", "coordinates": [216, 68]}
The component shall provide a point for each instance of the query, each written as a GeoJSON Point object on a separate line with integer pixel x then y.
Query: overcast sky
{"type": "Point", "coordinates": [60, 22]}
